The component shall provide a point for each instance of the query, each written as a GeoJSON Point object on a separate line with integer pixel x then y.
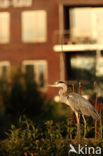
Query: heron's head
{"type": "Point", "coordinates": [57, 84]}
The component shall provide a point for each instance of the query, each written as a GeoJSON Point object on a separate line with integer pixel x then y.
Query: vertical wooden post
{"type": "Point", "coordinates": [73, 87]}
{"type": "Point", "coordinates": [74, 92]}
{"type": "Point", "coordinates": [80, 94]}
{"type": "Point", "coordinates": [96, 120]}
{"type": "Point", "coordinates": [80, 88]}
{"type": "Point", "coordinates": [100, 121]}
{"type": "Point", "coordinates": [25, 154]}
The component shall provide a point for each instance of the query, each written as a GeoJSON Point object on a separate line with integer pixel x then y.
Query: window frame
{"type": "Point", "coordinates": [8, 23]}
{"type": "Point", "coordinates": [7, 64]}
{"type": "Point", "coordinates": [35, 63]}
{"type": "Point", "coordinates": [36, 39]}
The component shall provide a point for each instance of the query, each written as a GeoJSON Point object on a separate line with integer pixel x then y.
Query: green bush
{"type": "Point", "coordinates": [43, 140]}
{"type": "Point", "coordinates": [21, 96]}
{"type": "Point", "coordinates": [48, 139]}
{"type": "Point", "coordinates": [24, 98]}
{"type": "Point", "coordinates": [50, 127]}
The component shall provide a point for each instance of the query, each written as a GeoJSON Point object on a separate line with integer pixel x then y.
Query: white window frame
{"type": "Point", "coordinates": [36, 63]}
{"type": "Point", "coordinates": [8, 28]}
{"type": "Point", "coordinates": [36, 38]}
{"type": "Point", "coordinates": [22, 3]}
{"type": "Point", "coordinates": [7, 64]}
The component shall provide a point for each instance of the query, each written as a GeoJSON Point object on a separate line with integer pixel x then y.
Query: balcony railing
{"type": "Point", "coordinates": [68, 42]}
{"type": "Point", "coordinates": [65, 37]}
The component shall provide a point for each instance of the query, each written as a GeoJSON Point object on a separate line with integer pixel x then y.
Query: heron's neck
{"type": "Point", "coordinates": [63, 90]}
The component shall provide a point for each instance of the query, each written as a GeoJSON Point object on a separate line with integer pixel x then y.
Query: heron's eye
{"type": "Point", "coordinates": [56, 82]}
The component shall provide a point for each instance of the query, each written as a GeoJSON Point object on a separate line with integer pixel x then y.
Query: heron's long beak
{"type": "Point", "coordinates": [52, 85]}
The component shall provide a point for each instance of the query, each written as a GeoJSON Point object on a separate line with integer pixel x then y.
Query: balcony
{"type": "Point", "coordinates": [64, 41]}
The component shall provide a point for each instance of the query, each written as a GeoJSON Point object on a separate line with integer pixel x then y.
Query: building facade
{"type": "Point", "coordinates": [80, 42]}
{"type": "Point", "coordinates": [26, 39]}
{"type": "Point", "coordinates": [46, 39]}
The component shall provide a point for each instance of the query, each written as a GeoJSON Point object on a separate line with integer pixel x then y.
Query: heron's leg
{"type": "Point", "coordinates": [78, 124]}
{"type": "Point", "coordinates": [85, 126]}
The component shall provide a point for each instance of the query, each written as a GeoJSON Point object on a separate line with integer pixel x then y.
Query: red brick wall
{"type": "Point", "coordinates": [16, 51]}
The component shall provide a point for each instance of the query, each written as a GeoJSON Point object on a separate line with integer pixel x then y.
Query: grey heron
{"type": "Point", "coordinates": [77, 103]}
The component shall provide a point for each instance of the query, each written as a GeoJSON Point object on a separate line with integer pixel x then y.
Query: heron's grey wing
{"type": "Point", "coordinates": [72, 101]}
{"type": "Point", "coordinates": [80, 104]}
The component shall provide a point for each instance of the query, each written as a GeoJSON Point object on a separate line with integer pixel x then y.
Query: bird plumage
{"type": "Point", "coordinates": [75, 101]}
{"type": "Point", "coordinates": [82, 105]}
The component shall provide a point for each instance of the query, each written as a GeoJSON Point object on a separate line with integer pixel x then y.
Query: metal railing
{"type": "Point", "coordinates": [65, 37]}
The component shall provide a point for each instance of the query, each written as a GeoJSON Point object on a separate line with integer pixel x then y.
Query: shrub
{"type": "Point", "coordinates": [48, 138]}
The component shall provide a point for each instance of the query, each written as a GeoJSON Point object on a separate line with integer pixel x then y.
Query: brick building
{"type": "Point", "coordinates": [32, 32]}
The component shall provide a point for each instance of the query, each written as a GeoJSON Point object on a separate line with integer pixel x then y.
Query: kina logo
{"type": "Point", "coordinates": [85, 150]}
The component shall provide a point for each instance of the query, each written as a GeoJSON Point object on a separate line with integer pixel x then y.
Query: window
{"type": "Point", "coordinates": [4, 69]}
{"type": "Point", "coordinates": [4, 27]}
{"type": "Point", "coordinates": [99, 67]}
{"type": "Point", "coordinates": [15, 3]}
{"type": "Point", "coordinates": [36, 70]}
{"type": "Point", "coordinates": [81, 66]}
{"type": "Point", "coordinates": [79, 17]}
{"type": "Point", "coordinates": [22, 3]}
{"type": "Point", "coordinates": [87, 22]}
{"type": "Point", "coordinates": [4, 3]}
{"type": "Point", "coordinates": [34, 26]}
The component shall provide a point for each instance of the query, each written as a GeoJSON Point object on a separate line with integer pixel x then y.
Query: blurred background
{"type": "Point", "coordinates": [42, 42]}
{"type": "Point", "coordinates": [52, 40]}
